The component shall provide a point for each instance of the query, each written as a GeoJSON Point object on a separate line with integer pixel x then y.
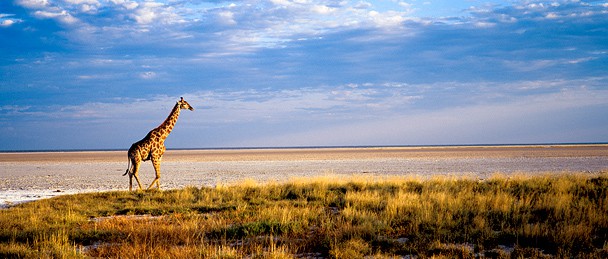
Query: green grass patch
{"type": "Point", "coordinates": [561, 215]}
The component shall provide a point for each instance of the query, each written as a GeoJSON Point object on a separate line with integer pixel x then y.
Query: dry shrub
{"type": "Point", "coordinates": [353, 248]}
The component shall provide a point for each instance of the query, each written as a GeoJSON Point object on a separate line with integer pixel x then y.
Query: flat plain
{"type": "Point", "coordinates": [26, 176]}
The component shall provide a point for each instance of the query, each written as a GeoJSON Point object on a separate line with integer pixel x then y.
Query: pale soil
{"type": "Point", "coordinates": [29, 176]}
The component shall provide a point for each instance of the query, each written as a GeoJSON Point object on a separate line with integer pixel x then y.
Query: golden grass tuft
{"type": "Point", "coordinates": [563, 215]}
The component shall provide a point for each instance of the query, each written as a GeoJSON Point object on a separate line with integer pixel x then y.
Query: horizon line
{"type": "Point", "coordinates": [314, 147]}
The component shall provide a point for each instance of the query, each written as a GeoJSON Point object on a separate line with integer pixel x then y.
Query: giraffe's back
{"type": "Point", "coordinates": [149, 146]}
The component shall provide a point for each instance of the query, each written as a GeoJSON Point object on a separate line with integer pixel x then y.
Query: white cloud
{"type": "Point", "coordinates": [90, 2]}
{"type": "Point", "coordinates": [539, 64]}
{"type": "Point", "coordinates": [405, 5]}
{"type": "Point", "coordinates": [86, 6]}
{"type": "Point", "coordinates": [552, 15]}
{"type": "Point", "coordinates": [322, 9]}
{"type": "Point", "coordinates": [226, 18]}
{"type": "Point", "coordinates": [362, 5]}
{"type": "Point", "coordinates": [33, 3]}
{"type": "Point", "coordinates": [129, 5]}
{"type": "Point", "coordinates": [281, 2]}
{"type": "Point", "coordinates": [485, 24]}
{"type": "Point", "coordinates": [8, 22]}
{"type": "Point", "coordinates": [60, 15]}
{"type": "Point", "coordinates": [14, 108]}
{"type": "Point", "coordinates": [148, 75]}
{"type": "Point", "coordinates": [387, 19]}
{"type": "Point", "coordinates": [146, 12]}
{"type": "Point", "coordinates": [154, 12]}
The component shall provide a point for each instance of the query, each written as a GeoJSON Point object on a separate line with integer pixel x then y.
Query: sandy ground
{"type": "Point", "coordinates": [30, 176]}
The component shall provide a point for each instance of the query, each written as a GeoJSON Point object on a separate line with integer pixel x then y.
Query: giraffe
{"type": "Point", "coordinates": [152, 147]}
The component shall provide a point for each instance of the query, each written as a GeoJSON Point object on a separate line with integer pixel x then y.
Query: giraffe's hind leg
{"type": "Point", "coordinates": [156, 164]}
{"type": "Point", "coordinates": [134, 174]}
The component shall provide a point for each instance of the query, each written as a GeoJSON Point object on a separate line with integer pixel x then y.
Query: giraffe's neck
{"type": "Point", "coordinates": [167, 126]}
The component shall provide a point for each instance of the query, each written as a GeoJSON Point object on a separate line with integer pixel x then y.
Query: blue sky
{"type": "Point", "coordinates": [97, 74]}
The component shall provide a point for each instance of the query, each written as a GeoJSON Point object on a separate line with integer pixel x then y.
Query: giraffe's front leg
{"type": "Point", "coordinates": [156, 164]}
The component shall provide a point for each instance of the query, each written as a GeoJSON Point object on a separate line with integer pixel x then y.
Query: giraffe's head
{"type": "Point", "coordinates": [184, 105]}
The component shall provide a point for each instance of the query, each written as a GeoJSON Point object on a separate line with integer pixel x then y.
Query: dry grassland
{"type": "Point", "coordinates": [559, 215]}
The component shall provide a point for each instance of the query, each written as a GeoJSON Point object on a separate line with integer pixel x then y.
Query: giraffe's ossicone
{"type": "Point", "coordinates": [152, 147]}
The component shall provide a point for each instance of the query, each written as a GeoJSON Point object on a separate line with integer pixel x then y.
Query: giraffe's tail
{"type": "Point", "coordinates": [128, 168]}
